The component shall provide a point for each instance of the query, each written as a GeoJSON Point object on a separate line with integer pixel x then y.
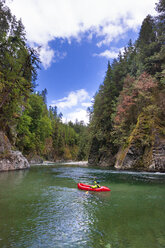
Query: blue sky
{"type": "Point", "coordinates": [77, 38]}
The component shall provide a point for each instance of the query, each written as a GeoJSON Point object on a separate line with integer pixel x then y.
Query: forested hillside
{"type": "Point", "coordinates": [127, 120]}
{"type": "Point", "coordinates": [40, 131]}
{"type": "Point", "coordinates": [127, 124]}
{"type": "Point", "coordinates": [24, 117]}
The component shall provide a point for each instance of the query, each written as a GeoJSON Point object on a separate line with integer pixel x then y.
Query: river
{"type": "Point", "coordinates": [42, 207]}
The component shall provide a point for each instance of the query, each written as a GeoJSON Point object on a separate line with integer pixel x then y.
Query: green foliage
{"type": "Point", "coordinates": [25, 139]}
{"type": "Point", "coordinates": [134, 84]}
{"type": "Point", "coordinates": [34, 126]}
{"type": "Point", "coordinates": [18, 67]}
{"type": "Point", "coordinates": [160, 7]}
{"type": "Point", "coordinates": [38, 130]}
{"type": "Point", "coordinates": [41, 132]}
{"type": "Point", "coordinates": [132, 92]}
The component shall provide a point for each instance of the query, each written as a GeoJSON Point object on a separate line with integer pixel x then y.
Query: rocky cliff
{"type": "Point", "coordinates": [145, 149]}
{"type": "Point", "coordinates": [10, 159]}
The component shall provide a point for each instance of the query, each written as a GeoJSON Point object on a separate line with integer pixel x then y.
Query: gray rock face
{"type": "Point", "coordinates": [9, 159]}
{"type": "Point", "coordinates": [142, 158]}
{"type": "Point", "coordinates": [131, 157]}
{"type": "Point", "coordinates": [158, 154]}
{"type": "Point", "coordinates": [14, 161]}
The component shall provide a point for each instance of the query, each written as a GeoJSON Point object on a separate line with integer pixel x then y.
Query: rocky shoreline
{"type": "Point", "coordinates": [127, 159]}
{"type": "Point", "coordinates": [144, 149]}
{"type": "Point", "coordinates": [9, 158]}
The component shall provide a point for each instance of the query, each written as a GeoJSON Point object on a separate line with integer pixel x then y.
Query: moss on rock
{"type": "Point", "coordinates": [139, 151]}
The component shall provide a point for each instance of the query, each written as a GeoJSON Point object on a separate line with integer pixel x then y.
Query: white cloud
{"type": "Point", "coordinates": [73, 99]}
{"type": "Point", "coordinates": [46, 20]}
{"type": "Point", "coordinates": [46, 56]}
{"type": "Point", "coordinates": [112, 31]}
{"type": "Point", "coordinates": [86, 104]}
{"type": "Point", "coordinates": [79, 114]}
{"type": "Point", "coordinates": [110, 54]}
{"type": "Point", "coordinates": [74, 106]}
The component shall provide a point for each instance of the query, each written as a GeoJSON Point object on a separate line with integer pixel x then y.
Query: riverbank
{"type": "Point", "coordinates": [47, 163]}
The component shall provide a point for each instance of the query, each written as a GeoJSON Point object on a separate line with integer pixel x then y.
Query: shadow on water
{"type": "Point", "coordinates": [13, 177]}
{"type": "Point", "coordinates": [42, 207]}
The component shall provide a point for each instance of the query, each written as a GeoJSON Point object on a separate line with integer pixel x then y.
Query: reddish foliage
{"type": "Point", "coordinates": [130, 93]}
{"type": "Point", "coordinates": [128, 82]}
{"type": "Point", "coordinates": [145, 82]}
{"type": "Point", "coordinates": [124, 107]}
{"type": "Point", "coordinates": [126, 100]}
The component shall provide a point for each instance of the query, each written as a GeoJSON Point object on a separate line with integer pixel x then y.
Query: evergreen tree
{"type": "Point", "coordinates": [160, 28]}
{"type": "Point", "coordinates": [34, 126]}
{"type": "Point", "coordinates": [18, 67]}
{"type": "Point", "coordinates": [147, 46]}
{"type": "Point", "coordinates": [129, 89]}
{"type": "Point", "coordinates": [160, 7]}
{"type": "Point", "coordinates": [147, 33]}
{"type": "Point", "coordinates": [101, 118]}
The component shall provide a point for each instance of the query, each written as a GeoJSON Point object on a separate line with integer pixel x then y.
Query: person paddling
{"type": "Point", "coordinates": [96, 185]}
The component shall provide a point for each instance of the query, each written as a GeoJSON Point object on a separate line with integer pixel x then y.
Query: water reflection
{"type": "Point", "coordinates": [87, 175]}
{"type": "Point", "coordinates": [13, 177]}
{"type": "Point", "coordinates": [42, 207]}
{"type": "Point", "coordinates": [69, 217]}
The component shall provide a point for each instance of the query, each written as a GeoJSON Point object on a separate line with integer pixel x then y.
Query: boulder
{"type": "Point", "coordinates": [10, 159]}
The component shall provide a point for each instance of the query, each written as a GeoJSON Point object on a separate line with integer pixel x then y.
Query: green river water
{"type": "Point", "coordinates": [42, 207]}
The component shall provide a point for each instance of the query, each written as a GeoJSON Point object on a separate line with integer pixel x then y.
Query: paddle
{"type": "Point", "coordinates": [88, 191]}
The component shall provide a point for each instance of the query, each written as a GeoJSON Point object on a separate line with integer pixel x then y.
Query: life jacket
{"type": "Point", "coordinates": [94, 186]}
